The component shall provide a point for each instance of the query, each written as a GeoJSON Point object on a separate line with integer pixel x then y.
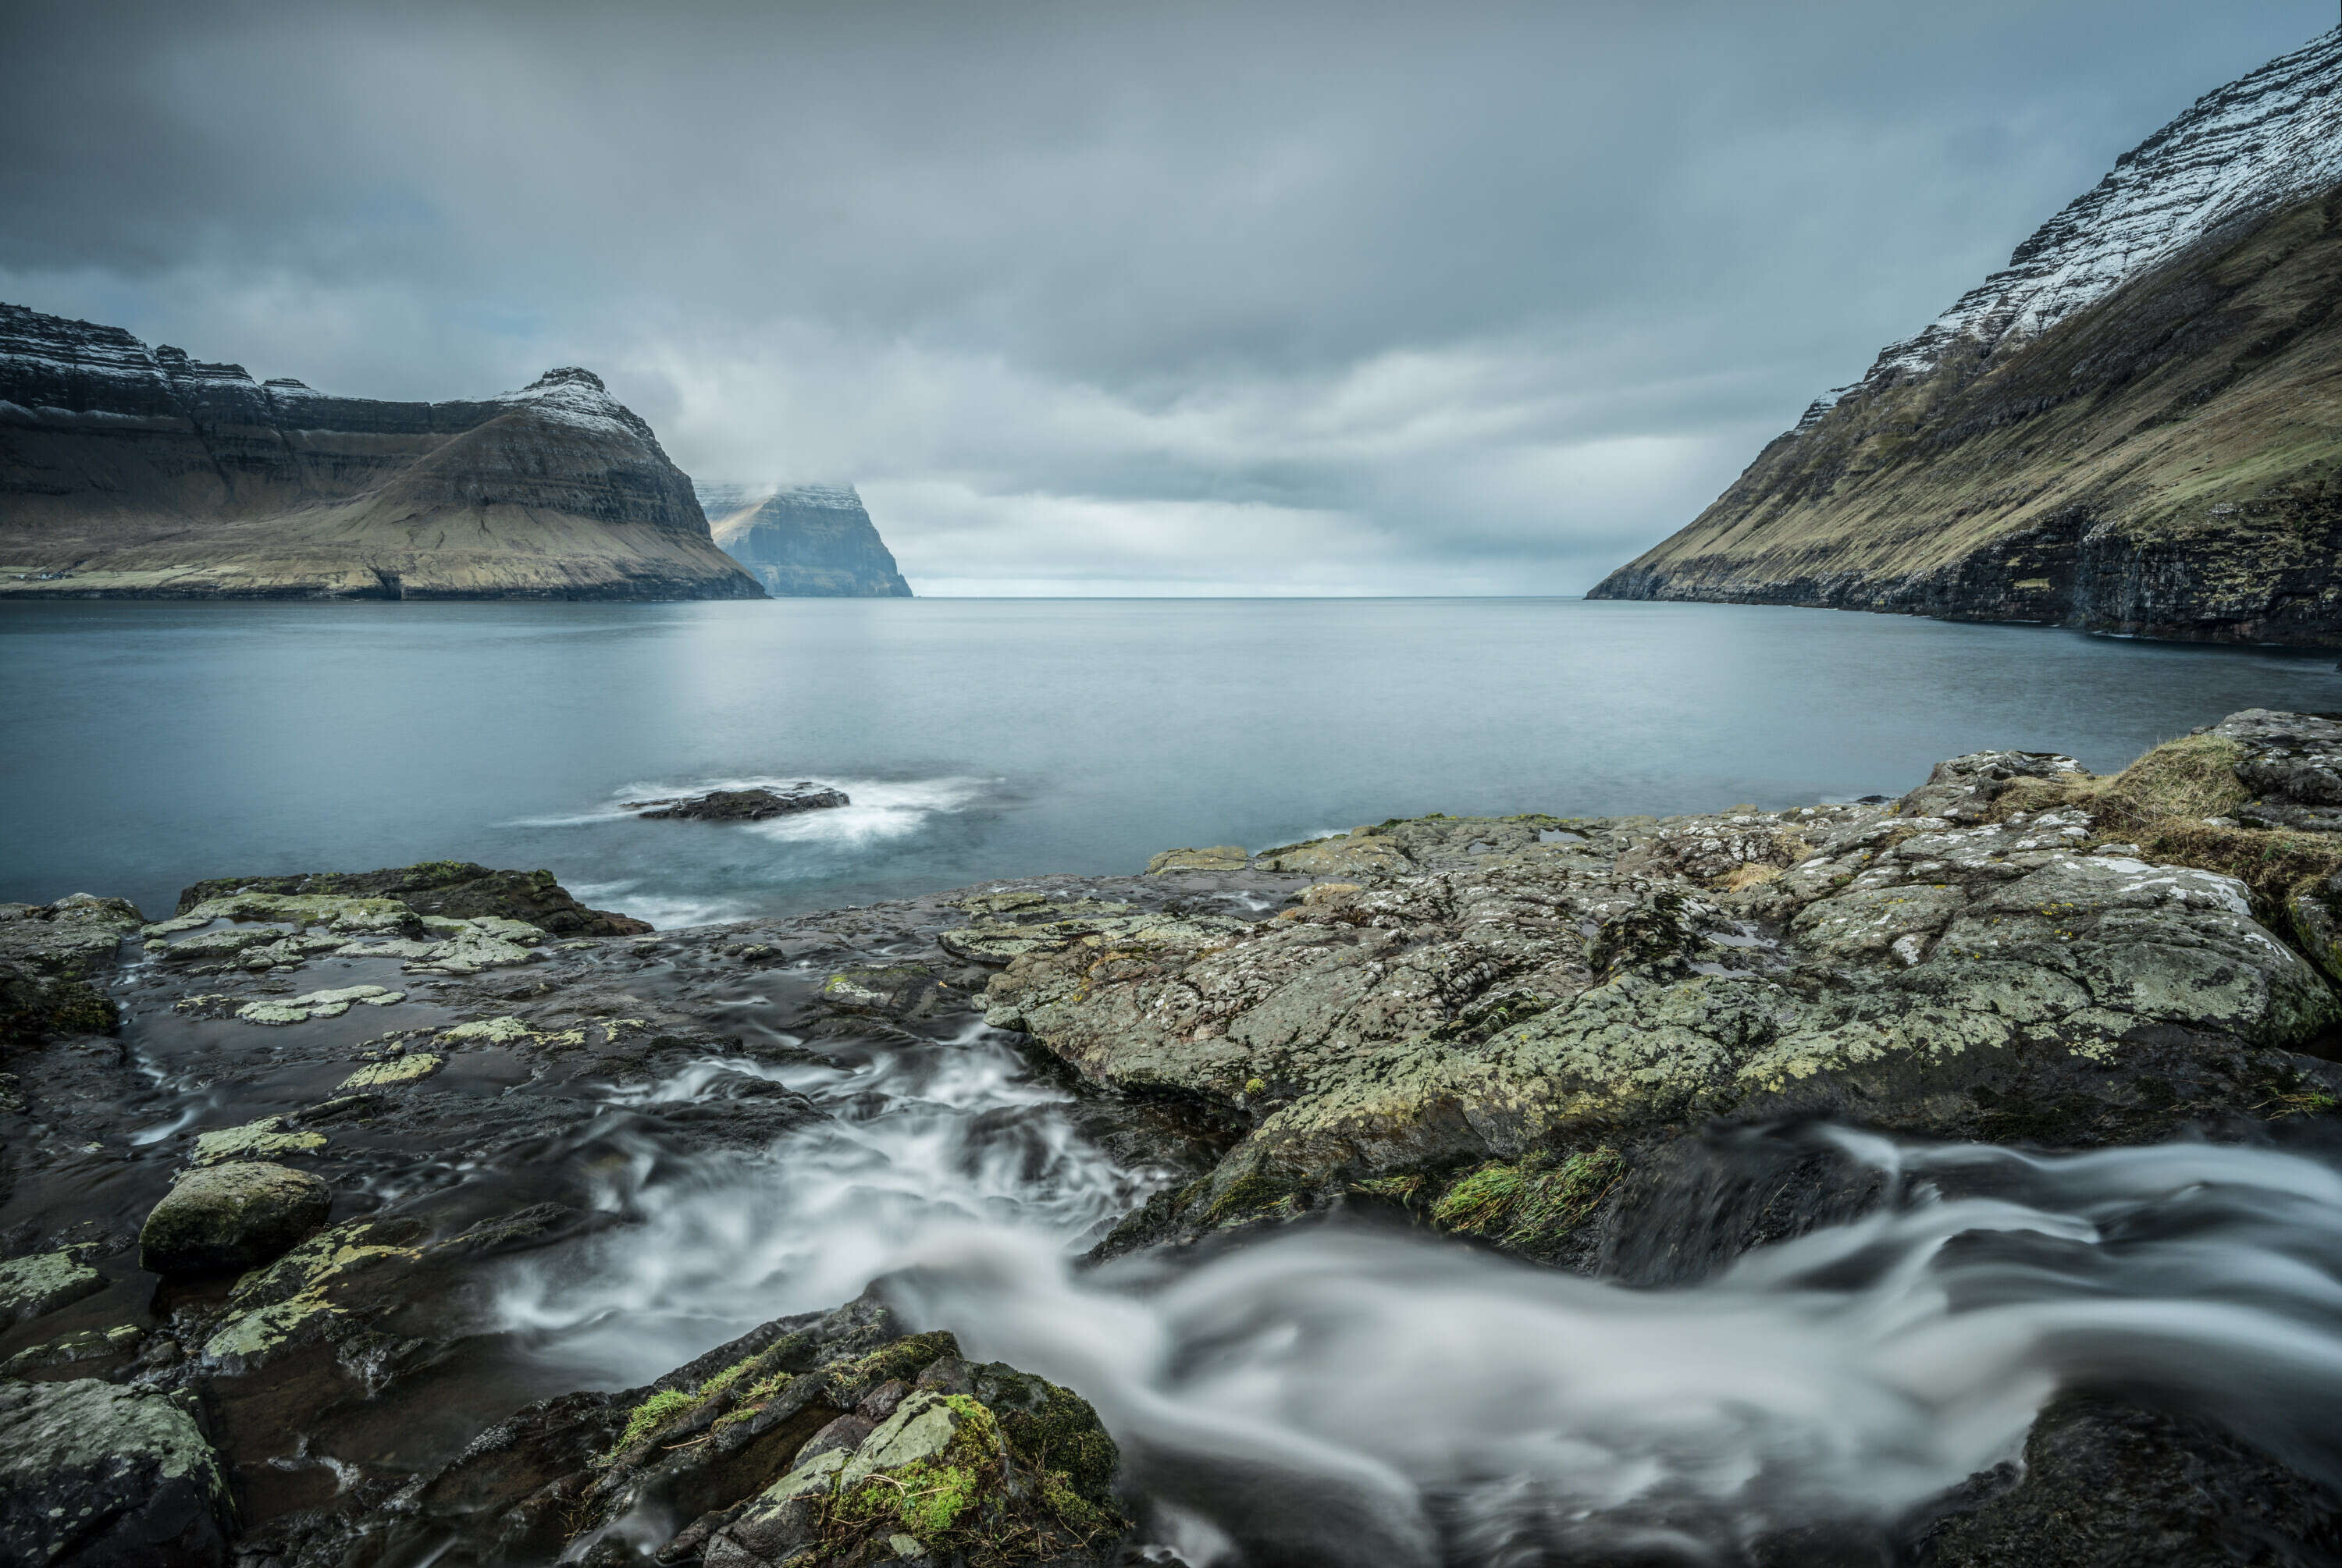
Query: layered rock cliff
{"type": "Point", "coordinates": [2134, 427]}
{"type": "Point", "coordinates": [131, 472]}
{"type": "Point", "coordinates": [803, 540]}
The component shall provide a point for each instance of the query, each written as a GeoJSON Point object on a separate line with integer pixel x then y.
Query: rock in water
{"type": "Point", "coordinates": [2128, 429]}
{"type": "Point", "coordinates": [804, 541]}
{"type": "Point", "coordinates": [230, 1217]}
{"type": "Point", "coordinates": [131, 472]}
{"type": "Point", "coordinates": [97, 1476]}
{"type": "Point", "coordinates": [748, 804]}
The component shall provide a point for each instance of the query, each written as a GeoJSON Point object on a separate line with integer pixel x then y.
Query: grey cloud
{"type": "Point", "coordinates": [1438, 295]}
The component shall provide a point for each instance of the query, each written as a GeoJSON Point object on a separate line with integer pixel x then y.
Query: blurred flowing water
{"type": "Point", "coordinates": [150, 745]}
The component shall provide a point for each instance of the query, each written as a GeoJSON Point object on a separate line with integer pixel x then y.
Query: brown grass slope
{"type": "Point", "coordinates": [2166, 463]}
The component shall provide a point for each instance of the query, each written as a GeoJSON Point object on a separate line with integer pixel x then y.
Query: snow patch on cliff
{"type": "Point", "coordinates": [2269, 137]}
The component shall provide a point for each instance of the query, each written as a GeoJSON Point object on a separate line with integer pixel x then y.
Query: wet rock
{"type": "Point", "coordinates": [97, 1476]}
{"type": "Point", "coordinates": [230, 1217]}
{"type": "Point", "coordinates": [39, 1284]}
{"type": "Point", "coordinates": [745, 804]}
{"type": "Point", "coordinates": [884, 990]}
{"type": "Point", "coordinates": [79, 1350]}
{"type": "Point", "coordinates": [49, 955]}
{"type": "Point", "coordinates": [455, 889]}
{"type": "Point", "coordinates": [2114, 1486]}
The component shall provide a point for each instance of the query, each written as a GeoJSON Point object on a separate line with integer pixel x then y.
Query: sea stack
{"type": "Point", "coordinates": [803, 540]}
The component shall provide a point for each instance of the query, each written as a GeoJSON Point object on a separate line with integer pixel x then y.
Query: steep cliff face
{"type": "Point", "coordinates": [2136, 427]}
{"type": "Point", "coordinates": [803, 540]}
{"type": "Point", "coordinates": [130, 472]}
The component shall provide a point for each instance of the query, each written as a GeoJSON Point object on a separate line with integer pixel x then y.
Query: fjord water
{"type": "Point", "coordinates": [150, 744]}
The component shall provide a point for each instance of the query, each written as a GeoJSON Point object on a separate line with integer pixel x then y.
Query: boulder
{"type": "Point", "coordinates": [745, 804]}
{"type": "Point", "coordinates": [93, 1476]}
{"type": "Point", "coordinates": [226, 1218]}
{"type": "Point", "coordinates": [834, 1431]}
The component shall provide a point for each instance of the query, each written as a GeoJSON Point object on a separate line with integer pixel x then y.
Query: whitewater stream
{"type": "Point", "coordinates": [1355, 1394]}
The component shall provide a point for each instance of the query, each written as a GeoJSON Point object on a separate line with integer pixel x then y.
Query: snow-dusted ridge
{"type": "Point", "coordinates": [2267, 137]}
{"type": "Point", "coordinates": [716, 499]}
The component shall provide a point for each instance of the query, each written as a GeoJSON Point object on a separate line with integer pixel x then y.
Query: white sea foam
{"type": "Point", "coordinates": [911, 1140]}
{"type": "Point", "coordinates": [1348, 1397]}
{"type": "Point", "coordinates": [882, 809]}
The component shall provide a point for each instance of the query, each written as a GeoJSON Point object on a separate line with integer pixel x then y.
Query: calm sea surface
{"type": "Point", "coordinates": [146, 746]}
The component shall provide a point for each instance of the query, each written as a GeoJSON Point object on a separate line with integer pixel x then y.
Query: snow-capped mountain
{"type": "Point", "coordinates": [2134, 427]}
{"type": "Point", "coordinates": [2257, 143]}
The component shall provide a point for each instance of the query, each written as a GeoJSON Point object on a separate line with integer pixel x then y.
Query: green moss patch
{"type": "Point", "coordinates": [1530, 1206]}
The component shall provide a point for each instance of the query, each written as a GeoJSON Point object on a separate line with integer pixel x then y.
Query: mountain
{"type": "Point", "coordinates": [131, 472]}
{"type": "Point", "coordinates": [2134, 427]}
{"type": "Point", "coordinates": [803, 540]}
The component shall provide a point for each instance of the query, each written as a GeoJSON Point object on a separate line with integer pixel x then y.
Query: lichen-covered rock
{"type": "Point", "coordinates": [884, 990]}
{"type": "Point", "coordinates": [268, 1138]}
{"type": "Point", "coordinates": [39, 1284]}
{"type": "Point", "coordinates": [394, 1072]}
{"type": "Point", "coordinates": [230, 1217]}
{"type": "Point", "coordinates": [1552, 993]}
{"type": "Point", "coordinates": [1009, 926]}
{"type": "Point", "coordinates": [830, 1433]}
{"type": "Point", "coordinates": [96, 1476]}
{"type": "Point", "coordinates": [329, 1004]}
{"type": "Point", "coordinates": [79, 1349]}
{"type": "Point", "coordinates": [455, 889]}
{"type": "Point", "coordinates": [1219, 857]}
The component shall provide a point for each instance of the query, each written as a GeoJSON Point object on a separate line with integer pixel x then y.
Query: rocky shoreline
{"type": "Point", "coordinates": [337, 1109]}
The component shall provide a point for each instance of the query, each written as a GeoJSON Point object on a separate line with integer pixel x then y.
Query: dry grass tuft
{"type": "Point", "coordinates": [2159, 802]}
{"type": "Point", "coordinates": [1749, 874]}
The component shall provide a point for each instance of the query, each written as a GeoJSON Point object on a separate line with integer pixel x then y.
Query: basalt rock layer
{"type": "Point", "coordinates": [133, 472]}
{"type": "Point", "coordinates": [804, 541]}
{"type": "Point", "coordinates": [2136, 427]}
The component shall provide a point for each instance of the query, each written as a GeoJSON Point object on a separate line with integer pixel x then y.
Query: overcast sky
{"type": "Point", "coordinates": [1101, 297]}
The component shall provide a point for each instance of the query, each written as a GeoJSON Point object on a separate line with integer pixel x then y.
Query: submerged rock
{"type": "Point", "coordinates": [97, 1476]}
{"type": "Point", "coordinates": [227, 1217]}
{"type": "Point", "coordinates": [744, 804]}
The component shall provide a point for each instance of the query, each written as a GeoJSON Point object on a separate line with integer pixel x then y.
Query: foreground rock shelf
{"type": "Point", "coordinates": [339, 1104]}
